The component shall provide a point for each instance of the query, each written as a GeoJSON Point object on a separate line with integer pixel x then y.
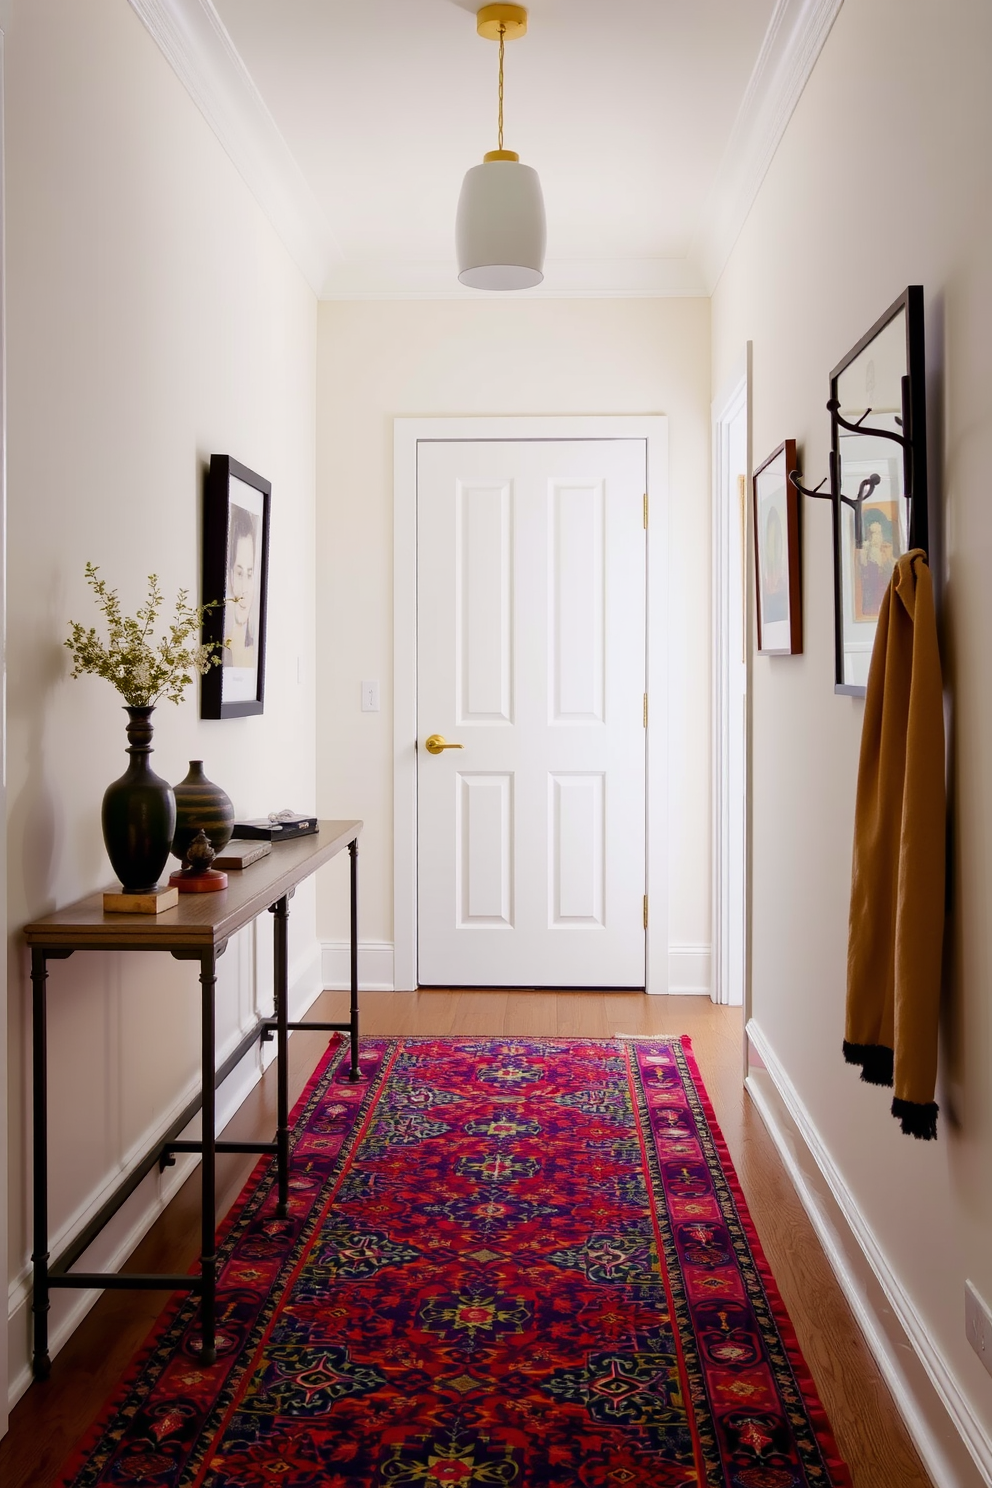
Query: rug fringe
{"type": "Point", "coordinates": [651, 1038]}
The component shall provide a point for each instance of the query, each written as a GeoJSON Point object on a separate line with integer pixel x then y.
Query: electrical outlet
{"type": "Point", "coordinates": [370, 697]}
{"type": "Point", "coordinates": [978, 1324]}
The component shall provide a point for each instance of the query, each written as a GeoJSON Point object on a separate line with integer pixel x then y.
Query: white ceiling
{"type": "Point", "coordinates": [650, 123]}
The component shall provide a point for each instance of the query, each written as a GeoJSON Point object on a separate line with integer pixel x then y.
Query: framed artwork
{"type": "Point", "coordinates": [778, 573]}
{"type": "Point", "coordinates": [879, 476]}
{"type": "Point", "coordinates": [235, 571]}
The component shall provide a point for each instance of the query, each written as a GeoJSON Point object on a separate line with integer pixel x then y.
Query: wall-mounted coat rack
{"type": "Point", "coordinates": [915, 512]}
{"type": "Point", "coordinates": [877, 400]}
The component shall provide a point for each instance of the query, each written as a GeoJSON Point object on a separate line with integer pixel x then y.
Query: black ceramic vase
{"type": "Point", "coordinates": [139, 812]}
{"type": "Point", "coordinates": [201, 806]}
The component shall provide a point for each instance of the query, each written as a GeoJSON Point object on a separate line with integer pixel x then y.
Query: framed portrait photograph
{"type": "Point", "coordinates": [235, 572]}
{"type": "Point", "coordinates": [778, 572]}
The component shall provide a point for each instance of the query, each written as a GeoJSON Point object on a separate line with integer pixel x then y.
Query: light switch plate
{"type": "Point", "coordinates": [370, 697]}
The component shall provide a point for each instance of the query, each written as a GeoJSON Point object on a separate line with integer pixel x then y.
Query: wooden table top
{"type": "Point", "coordinates": [198, 920]}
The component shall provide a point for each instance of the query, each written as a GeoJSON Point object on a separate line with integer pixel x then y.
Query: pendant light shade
{"type": "Point", "coordinates": [500, 229]}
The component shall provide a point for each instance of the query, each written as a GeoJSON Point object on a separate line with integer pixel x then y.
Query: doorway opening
{"type": "Point", "coordinates": [731, 469]}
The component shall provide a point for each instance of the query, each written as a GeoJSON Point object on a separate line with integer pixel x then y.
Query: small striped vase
{"type": "Point", "coordinates": [201, 806]}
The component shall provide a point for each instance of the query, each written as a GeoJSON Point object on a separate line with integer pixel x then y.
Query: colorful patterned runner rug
{"type": "Point", "coordinates": [508, 1262]}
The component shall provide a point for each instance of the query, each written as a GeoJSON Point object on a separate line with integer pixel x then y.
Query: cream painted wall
{"type": "Point", "coordinates": [382, 360]}
{"type": "Point", "coordinates": [154, 317]}
{"type": "Point", "coordinates": [883, 179]}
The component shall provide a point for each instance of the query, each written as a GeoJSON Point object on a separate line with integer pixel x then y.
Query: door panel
{"type": "Point", "coordinates": [577, 849]}
{"type": "Point", "coordinates": [485, 603]}
{"type": "Point", "coordinates": [578, 620]}
{"type": "Point", "coordinates": [484, 849]}
{"type": "Point", "coordinates": [531, 649]}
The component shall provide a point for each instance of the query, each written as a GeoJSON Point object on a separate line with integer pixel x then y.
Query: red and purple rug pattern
{"type": "Point", "coordinates": [508, 1262]}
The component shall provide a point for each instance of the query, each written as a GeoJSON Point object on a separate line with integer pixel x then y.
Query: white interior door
{"type": "Point", "coordinates": [531, 657]}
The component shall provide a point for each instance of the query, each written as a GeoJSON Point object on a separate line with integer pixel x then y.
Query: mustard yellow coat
{"type": "Point", "coordinates": [897, 890]}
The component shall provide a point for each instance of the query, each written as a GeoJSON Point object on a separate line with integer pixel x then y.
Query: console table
{"type": "Point", "coordinates": [197, 929]}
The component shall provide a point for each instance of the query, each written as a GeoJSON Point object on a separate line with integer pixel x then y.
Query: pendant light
{"type": "Point", "coordinates": [500, 229]}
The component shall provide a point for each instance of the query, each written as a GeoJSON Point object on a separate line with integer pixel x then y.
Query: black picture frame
{"type": "Point", "coordinates": [878, 473]}
{"type": "Point", "coordinates": [235, 541]}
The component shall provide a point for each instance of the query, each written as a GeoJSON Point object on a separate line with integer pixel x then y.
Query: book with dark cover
{"type": "Point", "coordinates": [263, 830]}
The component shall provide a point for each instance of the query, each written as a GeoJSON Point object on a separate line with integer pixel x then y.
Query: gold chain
{"type": "Point", "coordinates": [502, 32]}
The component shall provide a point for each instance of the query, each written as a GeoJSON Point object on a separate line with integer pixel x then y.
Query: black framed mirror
{"type": "Point", "coordinates": [878, 475]}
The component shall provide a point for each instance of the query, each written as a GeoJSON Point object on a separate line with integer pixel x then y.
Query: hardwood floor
{"type": "Point", "coordinates": [51, 1417]}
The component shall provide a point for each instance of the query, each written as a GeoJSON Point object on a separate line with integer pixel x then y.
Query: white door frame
{"type": "Point", "coordinates": [730, 813]}
{"type": "Point", "coordinates": [407, 434]}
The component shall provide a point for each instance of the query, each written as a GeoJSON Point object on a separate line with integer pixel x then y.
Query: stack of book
{"type": "Point", "coordinates": [278, 829]}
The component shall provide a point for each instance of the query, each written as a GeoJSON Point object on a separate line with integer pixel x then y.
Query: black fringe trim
{"type": "Point", "coordinates": [875, 1061]}
{"type": "Point", "coordinates": [918, 1120]}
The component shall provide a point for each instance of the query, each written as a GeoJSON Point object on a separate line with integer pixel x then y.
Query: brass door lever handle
{"type": "Point", "coordinates": [436, 743]}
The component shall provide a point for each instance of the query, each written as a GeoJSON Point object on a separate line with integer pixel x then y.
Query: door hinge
{"type": "Point", "coordinates": [645, 710]}
{"type": "Point", "coordinates": [645, 508]}
{"type": "Point", "coordinates": [645, 911]}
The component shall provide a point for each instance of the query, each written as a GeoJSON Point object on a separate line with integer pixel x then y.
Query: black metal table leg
{"type": "Point", "coordinates": [353, 855]}
{"type": "Point", "coordinates": [280, 963]}
{"type": "Point", "coordinates": [58, 938]}
{"type": "Point", "coordinates": [41, 1362]}
{"type": "Point", "coordinates": [208, 1217]}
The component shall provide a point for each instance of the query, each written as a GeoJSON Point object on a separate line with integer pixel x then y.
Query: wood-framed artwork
{"type": "Point", "coordinates": [777, 567]}
{"type": "Point", "coordinates": [879, 476]}
{"type": "Point", "coordinates": [235, 572]}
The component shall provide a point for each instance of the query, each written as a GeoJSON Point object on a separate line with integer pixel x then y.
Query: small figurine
{"type": "Point", "coordinates": [197, 877]}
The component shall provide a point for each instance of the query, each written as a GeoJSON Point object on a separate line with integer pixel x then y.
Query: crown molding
{"type": "Point", "coordinates": [194, 41]}
{"type": "Point", "coordinates": [572, 279]}
{"type": "Point", "coordinates": [793, 42]}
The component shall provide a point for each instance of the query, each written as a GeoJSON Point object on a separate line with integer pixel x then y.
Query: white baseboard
{"type": "Point", "coordinates": [137, 1215]}
{"type": "Point", "coordinates": [690, 970]}
{"type": "Point", "coordinates": [375, 965]}
{"type": "Point", "coordinates": [927, 1392]}
{"type": "Point", "coordinates": [689, 967]}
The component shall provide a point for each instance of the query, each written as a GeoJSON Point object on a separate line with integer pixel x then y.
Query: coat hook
{"type": "Point", "coordinates": [833, 406]}
{"type": "Point", "coordinates": [856, 503]}
{"type": "Point", "coordinates": [805, 491]}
